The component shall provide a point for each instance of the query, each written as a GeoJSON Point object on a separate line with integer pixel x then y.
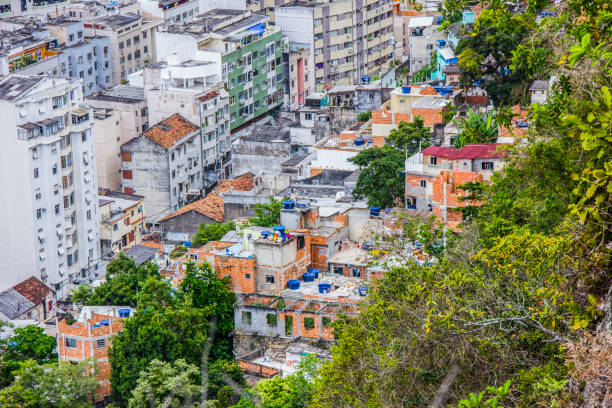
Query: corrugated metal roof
{"type": "Point", "coordinates": [420, 22]}
{"type": "Point", "coordinates": [13, 304]}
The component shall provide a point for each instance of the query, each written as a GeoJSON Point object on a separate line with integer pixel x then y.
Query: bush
{"type": "Point", "coordinates": [326, 321]}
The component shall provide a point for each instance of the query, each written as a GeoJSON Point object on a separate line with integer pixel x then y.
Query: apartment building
{"type": "Point", "coordinates": [350, 40]}
{"type": "Point", "coordinates": [171, 11]}
{"type": "Point", "coordinates": [22, 47]}
{"type": "Point", "coordinates": [299, 79]}
{"type": "Point", "coordinates": [82, 57]}
{"type": "Point", "coordinates": [49, 219]}
{"type": "Point", "coordinates": [248, 50]}
{"type": "Point", "coordinates": [120, 115]}
{"type": "Point", "coordinates": [90, 337]}
{"type": "Point", "coordinates": [164, 165]}
{"type": "Point", "coordinates": [122, 219]}
{"type": "Point", "coordinates": [131, 41]}
{"type": "Point", "coordinates": [193, 89]}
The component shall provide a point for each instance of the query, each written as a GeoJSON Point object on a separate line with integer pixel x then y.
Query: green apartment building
{"type": "Point", "coordinates": [249, 52]}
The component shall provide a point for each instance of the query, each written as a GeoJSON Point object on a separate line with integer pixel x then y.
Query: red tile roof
{"type": "Point", "coordinates": [240, 183]}
{"type": "Point", "coordinates": [209, 95]}
{"type": "Point", "coordinates": [210, 206]}
{"type": "Point", "coordinates": [167, 132]}
{"type": "Point", "coordinates": [33, 289]}
{"type": "Point", "coordinates": [475, 151]}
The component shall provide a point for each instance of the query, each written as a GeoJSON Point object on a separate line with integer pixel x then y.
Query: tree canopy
{"type": "Point", "coordinates": [268, 214]}
{"type": "Point", "coordinates": [212, 232]}
{"type": "Point", "coordinates": [380, 179]}
{"type": "Point", "coordinates": [51, 386]}
{"type": "Point", "coordinates": [410, 136]}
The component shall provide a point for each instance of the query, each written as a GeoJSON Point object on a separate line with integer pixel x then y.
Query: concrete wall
{"type": "Point", "coordinates": [184, 225]}
{"type": "Point", "coordinates": [256, 157]}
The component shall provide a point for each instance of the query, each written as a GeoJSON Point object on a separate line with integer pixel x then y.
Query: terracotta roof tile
{"type": "Point", "coordinates": [33, 289]}
{"type": "Point", "coordinates": [169, 131]}
{"type": "Point", "coordinates": [428, 90]}
{"type": "Point", "coordinates": [207, 96]}
{"type": "Point", "coordinates": [241, 183]}
{"type": "Point", "coordinates": [210, 206]}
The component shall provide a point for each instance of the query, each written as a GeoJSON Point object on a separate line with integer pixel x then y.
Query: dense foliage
{"type": "Point", "coordinates": [212, 232]}
{"type": "Point", "coordinates": [380, 179]}
{"type": "Point", "coordinates": [123, 281]}
{"type": "Point", "coordinates": [268, 214]}
{"type": "Point", "coordinates": [51, 386]}
{"type": "Point", "coordinates": [410, 136]}
{"type": "Point", "coordinates": [173, 325]}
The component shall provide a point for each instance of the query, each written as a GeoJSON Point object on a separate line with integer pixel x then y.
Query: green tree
{"type": "Point", "coordinates": [51, 386]}
{"type": "Point", "coordinates": [172, 385]}
{"type": "Point", "coordinates": [201, 289]}
{"type": "Point", "coordinates": [410, 136]}
{"type": "Point", "coordinates": [217, 371]}
{"type": "Point", "coordinates": [30, 342]}
{"type": "Point", "coordinates": [267, 215]}
{"type": "Point", "coordinates": [123, 280]}
{"type": "Point", "coordinates": [364, 116]}
{"type": "Point", "coordinates": [475, 128]}
{"type": "Point", "coordinates": [505, 309]}
{"type": "Point", "coordinates": [212, 232]}
{"type": "Point", "coordinates": [380, 179]}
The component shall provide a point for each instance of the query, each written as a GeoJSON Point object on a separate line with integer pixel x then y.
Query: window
{"type": "Point", "coordinates": [70, 342]}
{"type": "Point", "coordinates": [326, 321]}
{"type": "Point", "coordinates": [247, 276]}
{"type": "Point", "coordinates": [288, 325]}
{"type": "Point", "coordinates": [309, 323]}
{"type": "Point", "coordinates": [121, 45]}
{"type": "Point", "coordinates": [172, 156]}
{"type": "Point", "coordinates": [308, 116]}
{"type": "Point", "coordinates": [36, 172]}
{"type": "Point", "coordinates": [433, 161]}
{"type": "Point", "coordinates": [487, 165]}
{"type": "Point", "coordinates": [269, 278]}
{"type": "Point", "coordinates": [128, 43]}
{"type": "Point", "coordinates": [116, 227]}
{"type": "Point", "coordinates": [356, 272]}
{"type": "Point", "coordinates": [100, 343]}
{"type": "Point", "coordinates": [246, 317]}
{"type": "Point", "coordinates": [57, 209]}
{"type": "Point", "coordinates": [39, 213]}
{"type": "Point", "coordinates": [54, 168]}
{"type": "Point", "coordinates": [272, 319]}
{"type": "Point", "coordinates": [144, 34]}
{"type": "Point", "coordinates": [173, 173]}
{"type": "Point", "coordinates": [423, 183]}
{"type": "Point", "coordinates": [300, 242]}
{"type": "Point", "coordinates": [89, 214]}
{"type": "Point", "coordinates": [339, 270]}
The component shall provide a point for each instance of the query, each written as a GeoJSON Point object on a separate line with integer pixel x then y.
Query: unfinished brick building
{"type": "Point", "coordinates": [90, 336]}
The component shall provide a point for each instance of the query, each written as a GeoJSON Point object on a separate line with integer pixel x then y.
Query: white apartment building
{"type": "Point", "coordinates": [171, 11]}
{"type": "Point", "coordinates": [120, 115]}
{"type": "Point", "coordinates": [131, 41]}
{"type": "Point", "coordinates": [350, 40]}
{"type": "Point", "coordinates": [49, 216]}
{"type": "Point", "coordinates": [193, 89]}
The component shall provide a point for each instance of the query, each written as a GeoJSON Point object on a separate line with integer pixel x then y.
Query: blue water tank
{"type": "Point", "coordinates": [374, 211]}
{"type": "Point", "coordinates": [365, 79]}
{"type": "Point", "coordinates": [103, 322]}
{"type": "Point", "coordinates": [324, 287]}
{"type": "Point", "coordinates": [288, 204]}
{"type": "Point", "coordinates": [359, 141]}
{"type": "Point", "coordinates": [124, 312]}
{"type": "Point", "coordinates": [363, 290]}
{"type": "Point", "coordinates": [369, 141]}
{"type": "Point", "coordinates": [95, 326]}
{"type": "Point", "coordinates": [315, 272]}
{"type": "Point", "coordinates": [406, 89]}
{"type": "Point", "coordinates": [303, 204]}
{"type": "Point", "coordinates": [279, 228]}
{"type": "Point", "coordinates": [308, 277]}
{"type": "Point", "coordinates": [441, 43]}
{"type": "Point", "coordinates": [265, 234]}
{"type": "Point", "coordinates": [293, 284]}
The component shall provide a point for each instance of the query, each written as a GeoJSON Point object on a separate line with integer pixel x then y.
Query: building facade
{"type": "Point", "coordinates": [350, 40]}
{"type": "Point", "coordinates": [131, 39]}
{"type": "Point", "coordinates": [164, 165]}
{"type": "Point", "coordinates": [49, 165]}
{"type": "Point", "coordinates": [122, 220]}
{"type": "Point", "coordinates": [248, 50]}
{"type": "Point", "coordinates": [120, 115]}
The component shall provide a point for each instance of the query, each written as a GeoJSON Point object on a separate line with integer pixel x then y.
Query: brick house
{"type": "Point", "coordinates": [90, 336]}
{"type": "Point", "coordinates": [434, 175]}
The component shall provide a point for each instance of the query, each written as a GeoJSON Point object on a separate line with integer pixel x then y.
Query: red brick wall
{"type": "Point", "coordinates": [315, 171]}
{"type": "Point", "coordinates": [431, 117]}
{"type": "Point", "coordinates": [237, 269]}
